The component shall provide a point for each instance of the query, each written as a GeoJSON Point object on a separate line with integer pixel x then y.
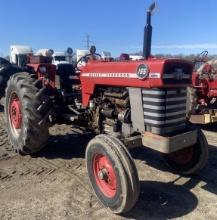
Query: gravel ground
{"type": "Point", "coordinates": [53, 184]}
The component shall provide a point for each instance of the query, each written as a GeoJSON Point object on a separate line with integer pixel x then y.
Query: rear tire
{"type": "Point", "coordinates": [191, 159]}
{"type": "Point", "coordinates": [191, 101]}
{"type": "Point", "coordinates": [26, 105]}
{"type": "Point", "coordinates": [7, 70]}
{"type": "Point", "coordinates": [112, 173]}
{"type": "Point", "coordinates": [3, 133]}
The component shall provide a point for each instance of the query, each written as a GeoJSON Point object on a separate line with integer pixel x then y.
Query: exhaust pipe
{"type": "Point", "coordinates": [148, 33]}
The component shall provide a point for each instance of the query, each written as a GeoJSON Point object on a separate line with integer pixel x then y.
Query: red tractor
{"type": "Point", "coordinates": [203, 95]}
{"type": "Point", "coordinates": [125, 103]}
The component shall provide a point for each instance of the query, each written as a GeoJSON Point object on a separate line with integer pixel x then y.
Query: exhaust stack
{"type": "Point", "coordinates": [148, 33]}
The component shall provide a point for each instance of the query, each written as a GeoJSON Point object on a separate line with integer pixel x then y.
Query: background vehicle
{"type": "Point", "coordinates": [59, 58]}
{"type": "Point", "coordinates": [22, 59]}
{"type": "Point", "coordinates": [19, 54]}
{"type": "Point", "coordinates": [63, 57]}
{"type": "Point", "coordinates": [125, 103]}
{"type": "Point", "coordinates": [203, 95]}
{"type": "Point", "coordinates": [6, 71]}
{"type": "Point", "coordinates": [136, 57]}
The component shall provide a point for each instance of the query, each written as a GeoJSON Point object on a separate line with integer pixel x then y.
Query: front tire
{"type": "Point", "coordinates": [112, 173]}
{"type": "Point", "coordinates": [191, 159]}
{"type": "Point", "coordinates": [26, 105]}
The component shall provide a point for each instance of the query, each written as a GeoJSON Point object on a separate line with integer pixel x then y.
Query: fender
{"type": "Point", "coordinates": [49, 76]}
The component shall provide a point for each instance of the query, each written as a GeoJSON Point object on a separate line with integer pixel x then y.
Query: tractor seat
{"type": "Point", "coordinates": [67, 76]}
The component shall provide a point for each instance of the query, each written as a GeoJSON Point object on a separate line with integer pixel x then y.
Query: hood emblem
{"type": "Point", "coordinates": [142, 71]}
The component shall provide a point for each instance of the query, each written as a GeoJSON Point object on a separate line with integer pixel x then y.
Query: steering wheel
{"type": "Point", "coordinates": [92, 53]}
{"type": "Point", "coordinates": [86, 56]}
{"type": "Point", "coordinates": [202, 56]}
{"type": "Point", "coordinates": [200, 60]}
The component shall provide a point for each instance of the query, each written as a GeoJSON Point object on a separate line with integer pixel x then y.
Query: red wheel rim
{"type": "Point", "coordinates": [182, 157]}
{"type": "Point", "coordinates": [15, 112]}
{"type": "Point", "coordinates": [105, 175]}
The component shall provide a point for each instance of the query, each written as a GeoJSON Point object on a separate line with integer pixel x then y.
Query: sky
{"type": "Point", "coordinates": [179, 26]}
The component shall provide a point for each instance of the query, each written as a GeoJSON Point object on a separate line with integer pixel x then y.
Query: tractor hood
{"type": "Point", "coordinates": [151, 73]}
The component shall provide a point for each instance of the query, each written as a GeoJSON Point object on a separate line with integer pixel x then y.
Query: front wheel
{"type": "Point", "coordinates": [190, 160]}
{"type": "Point", "coordinates": [112, 173]}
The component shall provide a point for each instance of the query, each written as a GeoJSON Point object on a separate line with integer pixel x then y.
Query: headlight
{"type": "Point", "coordinates": [142, 71]}
{"type": "Point", "coordinates": [42, 69]}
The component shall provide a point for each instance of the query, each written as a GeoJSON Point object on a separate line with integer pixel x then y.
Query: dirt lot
{"type": "Point", "coordinates": [53, 184]}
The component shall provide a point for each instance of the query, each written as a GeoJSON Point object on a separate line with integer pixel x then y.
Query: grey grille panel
{"type": "Point", "coordinates": [153, 114]}
{"type": "Point", "coordinates": [164, 109]}
{"type": "Point", "coordinates": [163, 99]}
{"type": "Point", "coordinates": [168, 130]}
{"type": "Point", "coordinates": [155, 122]}
{"type": "Point", "coordinates": [153, 92]}
{"type": "Point", "coordinates": [174, 92]}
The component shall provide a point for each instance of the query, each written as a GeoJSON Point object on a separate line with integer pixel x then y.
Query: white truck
{"type": "Point", "coordinates": [63, 57]}
{"type": "Point", "coordinates": [60, 58]}
{"type": "Point", "coordinates": [136, 57]}
{"type": "Point", "coordinates": [19, 53]}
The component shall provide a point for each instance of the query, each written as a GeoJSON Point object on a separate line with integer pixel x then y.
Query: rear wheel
{"type": "Point", "coordinates": [26, 105]}
{"type": "Point", "coordinates": [190, 160]}
{"type": "Point", "coordinates": [191, 101]}
{"type": "Point", "coordinates": [112, 173]}
{"type": "Point", "coordinates": [6, 70]}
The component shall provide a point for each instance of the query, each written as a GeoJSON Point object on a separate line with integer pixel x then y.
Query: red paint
{"type": "Point", "coordinates": [49, 76]}
{"type": "Point", "coordinates": [108, 185]}
{"type": "Point", "coordinates": [205, 85]}
{"type": "Point", "coordinates": [90, 83]}
{"type": "Point", "coordinates": [15, 112]}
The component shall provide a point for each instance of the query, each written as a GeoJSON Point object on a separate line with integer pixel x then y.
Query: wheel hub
{"type": "Point", "coordinates": [15, 113]}
{"type": "Point", "coordinates": [105, 175]}
{"type": "Point", "coordinates": [182, 157]}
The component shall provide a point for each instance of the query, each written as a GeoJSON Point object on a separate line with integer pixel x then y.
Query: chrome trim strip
{"type": "Point", "coordinates": [164, 107]}
{"type": "Point", "coordinates": [152, 114]}
{"type": "Point", "coordinates": [152, 92]}
{"type": "Point", "coordinates": [146, 99]}
{"type": "Point", "coordinates": [153, 107]}
{"type": "Point", "coordinates": [164, 122]}
{"type": "Point", "coordinates": [176, 106]}
{"type": "Point", "coordinates": [174, 92]}
{"type": "Point", "coordinates": [171, 76]}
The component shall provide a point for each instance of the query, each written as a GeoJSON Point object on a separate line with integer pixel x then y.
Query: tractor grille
{"type": "Point", "coordinates": [164, 110]}
{"type": "Point", "coordinates": [177, 73]}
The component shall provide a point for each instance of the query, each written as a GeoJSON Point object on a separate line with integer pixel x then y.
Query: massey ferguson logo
{"type": "Point", "coordinates": [142, 71]}
{"type": "Point", "coordinates": [178, 74]}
